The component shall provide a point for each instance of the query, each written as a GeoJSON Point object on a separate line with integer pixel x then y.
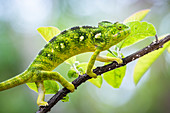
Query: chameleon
{"type": "Point", "coordinates": [64, 45]}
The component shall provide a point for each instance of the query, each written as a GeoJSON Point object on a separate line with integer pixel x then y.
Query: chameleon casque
{"type": "Point", "coordinates": [68, 43]}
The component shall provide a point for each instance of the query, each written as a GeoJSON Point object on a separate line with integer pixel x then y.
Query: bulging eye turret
{"type": "Point", "coordinates": [119, 27]}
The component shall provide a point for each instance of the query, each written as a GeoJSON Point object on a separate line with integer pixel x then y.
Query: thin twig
{"type": "Point", "coordinates": [100, 70]}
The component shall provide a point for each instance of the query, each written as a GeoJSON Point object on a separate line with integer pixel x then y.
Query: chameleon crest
{"type": "Point", "coordinates": [66, 44]}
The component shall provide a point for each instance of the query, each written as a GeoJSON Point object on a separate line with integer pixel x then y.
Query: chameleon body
{"type": "Point", "coordinates": [68, 43]}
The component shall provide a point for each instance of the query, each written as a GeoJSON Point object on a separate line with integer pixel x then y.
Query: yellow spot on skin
{"type": "Point", "coordinates": [81, 38]}
{"type": "Point", "coordinates": [97, 35]}
{"type": "Point", "coordinates": [56, 47]}
{"type": "Point", "coordinates": [61, 45]}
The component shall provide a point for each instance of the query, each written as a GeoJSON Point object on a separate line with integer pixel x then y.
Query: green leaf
{"type": "Point", "coordinates": [97, 81]}
{"type": "Point", "coordinates": [138, 16]}
{"type": "Point", "coordinates": [83, 67]}
{"type": "Point", "coordinates": [72, 73]}
{"type": "Point", "coordinates": [65, 99]}
{"type": "Point", "coordinates": [115, 55]}
{"type": "Point", "coordinates": [114, 77]}
{"type": "Point", "coordinates": [32, 86]}
{"type": "Point", "coordinates": [139, 31]}
{"type": "Point", "coordinates": [146, 61]}
{"type": "Point", "coordinates": [51, 87]}
{"type": "Point", "coordinates": [168, 48]}
{"type": "Point", "coordinates": [48, 32]}
{"type": "Point", "coordinates": [71, 60]}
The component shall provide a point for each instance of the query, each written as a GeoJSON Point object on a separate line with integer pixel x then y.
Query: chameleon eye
{"type": "Point", "coordinates": [119, 27]}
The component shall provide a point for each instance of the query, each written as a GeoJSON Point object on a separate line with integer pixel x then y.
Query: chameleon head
{"type": "Point", "coordinates": [113, 33]}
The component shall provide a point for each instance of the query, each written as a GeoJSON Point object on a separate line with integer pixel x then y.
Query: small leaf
{"type": "Point", "coordinates": [139, 31]}
{"type": "Point", "coordinates": [48, 32]}
{"type": "Point", "coordinates": [72, 73]}
{"type": "Point", "coordinates": [146, 61]}
{"type": "Point", "coordinates": [168, 48]}
{"type": "Point", "coordinates": [114, 77]}
{"type": "Point", "coordinates": [97, 81]}
{"type": "Point", "coordinates": [138, 16]}
{"type": "Point", "coordinates": [71, 60]}
{"type": "Point", "coordinates": [51, 87]}
{"type": "Point", "coordinates": [65, 99]}
{"type": "Point", "coordinates": [83, 67]}
{"type": "Point", "coordinates": [32, 86]}
{"type": "Point", "coordinates": [115, 55]}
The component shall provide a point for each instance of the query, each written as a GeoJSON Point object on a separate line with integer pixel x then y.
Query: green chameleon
{"type": "Point", "coordinates": [68, 43]}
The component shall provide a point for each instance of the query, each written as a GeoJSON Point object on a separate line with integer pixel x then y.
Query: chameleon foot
{"type": "Point", "coordinates": [70, 87]}
{"type": "Point", "coordinates": [118, 60]}
{"type": "Point", "coordinates": [42, 103]}
{"type": "Point", "coordinates": [91, 74]}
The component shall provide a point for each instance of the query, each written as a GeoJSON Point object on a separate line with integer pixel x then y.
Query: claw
{"type": "Point", "coordinates": [71, 87]}
{"type": "Point", "coordinates": [91, 74]}
{"type": "Point", "coordinates": [42, 103]}
{"type": "Point", "coordinates": [119, 61]}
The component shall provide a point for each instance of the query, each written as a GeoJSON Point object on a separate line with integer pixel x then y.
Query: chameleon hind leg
{"type": "Point", "coordinates": [41, 94]}
{"type": "Point", "coordinates": [48, 75]}
{"type": "Point", "coordinates": [51, 75]}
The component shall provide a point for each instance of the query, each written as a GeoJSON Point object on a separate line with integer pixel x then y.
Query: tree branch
{"type": "Point", "coordinates": [100, 70]}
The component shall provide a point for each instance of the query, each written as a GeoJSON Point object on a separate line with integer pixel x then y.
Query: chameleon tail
{"type": "Point", "coordinates": [15, 81]}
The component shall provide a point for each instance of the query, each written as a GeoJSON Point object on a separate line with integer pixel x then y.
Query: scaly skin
{"type": "Point", "coordinates": [68, 43]}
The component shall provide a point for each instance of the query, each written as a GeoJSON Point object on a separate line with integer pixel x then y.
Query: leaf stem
{"type": "Point", "coordinates": [111, 52]}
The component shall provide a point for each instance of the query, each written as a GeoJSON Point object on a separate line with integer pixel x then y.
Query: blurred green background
{"type": "Point", "coordinates": [20, 42]}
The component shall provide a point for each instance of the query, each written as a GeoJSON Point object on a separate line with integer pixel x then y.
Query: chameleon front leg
{"type": "Point", "coordinates": [41, 94]}
{"type": "Point", "coordinates": [109, 59]}
{"type": "Point", "coordinates": [92, 61]}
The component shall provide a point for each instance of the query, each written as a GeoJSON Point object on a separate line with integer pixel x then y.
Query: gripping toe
{"type": "Point", "coordinates": [71, 87]}
{"type": "Point", "coordinates": [42, 103]}
{"type": "Point", "coordinates": [91, 74]}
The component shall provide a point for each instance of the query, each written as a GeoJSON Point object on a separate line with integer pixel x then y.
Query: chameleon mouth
{"type": "Point", "coordinates": [125, 32]}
